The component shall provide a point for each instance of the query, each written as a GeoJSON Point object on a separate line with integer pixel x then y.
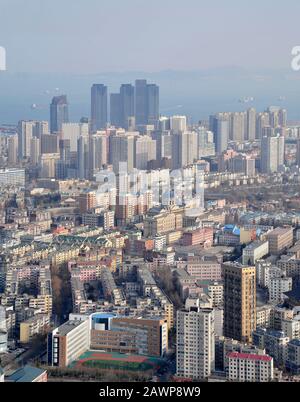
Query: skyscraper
{"type": "Point", "coordinates": [239, 301]}
{"type": "Point", "coordinates": [49, 143]}
{"type": "Point", "coordinates": [272, 151]}
{"type": "Point", "coordinates": [115, 110]}
{"type": "Point", "coordinates": [141, 99]}
{"type": "Point", "coordinates": [72, 132]}
{"type": "Point", "coordinates": [237, 130]}
{"type": "Point", "coordinates": [184, 148]}
{"type": "Point", "coordinates": [12, 152]}
{"type": "Point", "coordinates": [98, 107]}
{"type": "Point", "coordinates": [282, 118]}
{"type": "Point", "coordinates": [98, 152]}
{"type": "Point", "coordinates": [153, 105]}
{"type": "Point", "coordinates": [146, 103]}
{"type": "Point", "coordinates": [145, 151]}
{"type": "Point", "coordinates": [121, 148]}
{"type": "Point", "coordinates": [163, 144]}
{"type": "Point", "coordinates": [59, 113]}
{"type": "Point", "coordinates": [127, 104]}
{"type": "Point", "coordinates": [262, 121]}
{"type": "Point", "coordinates": [195, 343]}
{"type": "Point", "coordinates": [219, 125]}
{"type": "Point", "coordinates": [25, 133]}
{"type": "Point", "coordinates": [65, 159]}
{"type": "Point", "coordinates": [35, 150]}
{"type": "Point", "coordinates": [251, 124]}
{"type": "Point", "coordinates": [83, 157]}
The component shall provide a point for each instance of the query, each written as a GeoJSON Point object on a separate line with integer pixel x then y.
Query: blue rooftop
{"type": "Point", "coordinates": [232, 228]}
{"type": "Point", "coordinates": [25, 374]}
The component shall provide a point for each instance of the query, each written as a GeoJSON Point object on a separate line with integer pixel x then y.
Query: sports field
{"type": "Point", "coordinates": [115, 361]}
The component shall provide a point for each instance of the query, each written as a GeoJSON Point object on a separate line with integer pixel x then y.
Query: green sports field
{"type": "Point", "coordinates": [116, 361]}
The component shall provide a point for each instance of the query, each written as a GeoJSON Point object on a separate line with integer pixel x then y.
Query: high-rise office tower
{"type": "Point", "coordinates": [115, 110]}
{"type": "Point", "coordinates": [163, 144]}
{"type": "Point", "coordinates": [239, 301]}
{"type": "Point", "coordinates": [127, 104]}
{"type": "Point", "coordinates": [282, 118]}
{"type": "Point", "coordinates": [121, 150]}
{"type": "Point", "coordinates": [49, 143]}
{"type": "Point", "coordinates": [153, 104]}
{"type": "Point", "coordinates": [65, 159]}
{"type": "Point", "coordinates": [35, 150]}
{"type": "Point", "coordinates": [65, 150]}
{"type": "Point", "coordinates": [59, 113]}
{"type": "Point", "coordinates": [146, 103]}
{"type": "Point", "coordinates": [184, 148]}
{"type": "Point", "coordinates": [83, 163]}
{"type": "Point", "coordinates": [272, 151]}
{"type": "Point", "coordinates": [25, 133]}
{"type": "Point", "coordinates": [251, 124]}
{"type": "Point", "coordinates": [145, 151]}
{"type": "Point", "coordinates": [98, 152]}
{"type": "Point", "coordinates": [219, 125]}
{"type": "Point", "coordinates": [141, 99]}
{"type": "Point", "coordinates": [237, 126]}
{"type": "Point", "coordinates": [40, 128]}
{"type": "Point", "coordinates": [12, 152]}
{"type": "Point", "coordinates": [72, 132]}
{"type": "Point", "coordinates": [98, 107]}
{"type": "Point", "coordinates": [195, 343]}
{"type": "Point", "coordinates": [274, 118]}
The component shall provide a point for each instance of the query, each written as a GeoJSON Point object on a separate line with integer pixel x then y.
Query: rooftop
{"type": "Point", "coordinates": [68, 327]}
{"type": "Point", "coordinates": [25, 374]}
{"type": "Point", "coordinates": [263, 358]}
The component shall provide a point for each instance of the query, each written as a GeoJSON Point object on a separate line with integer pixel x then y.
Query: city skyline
{"type": "Point", "coordinates": [149, 194]}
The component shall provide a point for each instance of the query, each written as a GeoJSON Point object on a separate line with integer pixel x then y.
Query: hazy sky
{"type": "Point", "coordinates": [92, 36]}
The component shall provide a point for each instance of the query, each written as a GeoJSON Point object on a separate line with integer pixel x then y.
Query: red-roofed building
{"type": "Point", "coordinates": [244, 367]}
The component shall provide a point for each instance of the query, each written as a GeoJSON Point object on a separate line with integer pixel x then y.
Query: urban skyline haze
{"type": "Point", "coordinates": [146, 36]}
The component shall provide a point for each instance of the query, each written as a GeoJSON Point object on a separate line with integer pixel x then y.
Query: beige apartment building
{"type": "Point", "coordinates": [33, 326]}
{"type": "Point", "coordinates": [280, 240]}
{"type": "Point", "coordinates": [239, 301]}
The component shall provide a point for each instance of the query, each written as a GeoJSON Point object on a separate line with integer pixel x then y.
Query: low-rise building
{"type": "Point", "coordinates": [250, 368]}
{"type": "Point", "coordinates": [33, 326]}
{"type": "Point", "coordinates": [254, 252]}
{"type": "Point", "coordinates": [280, 240]}
{"type": "Point", "coordinates": [28, 374]}
{"type": "Point", "coordinates": [68, 342]}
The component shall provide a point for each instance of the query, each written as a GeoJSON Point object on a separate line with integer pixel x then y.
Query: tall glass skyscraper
{"type": "Point", "coordinates": [141, 102]}
{"type": "Point", "coordinates": [115, 110]}
{"type": "Point", "coordinates": [59, 113]}
{"type": "Point", "coordinates": [219, 125]}
{"type": "Point", "coordinates": [98, 107]}
{"type": "Point", "coordinates": [153, 104]}
{"type": "Point", "coordinates": [146, 103]}
{"type": "Point", "coordinates": [127, 103]}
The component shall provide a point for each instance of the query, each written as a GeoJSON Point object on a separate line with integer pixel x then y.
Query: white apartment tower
{"type": "Point", "coordinates": [195, 343]}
